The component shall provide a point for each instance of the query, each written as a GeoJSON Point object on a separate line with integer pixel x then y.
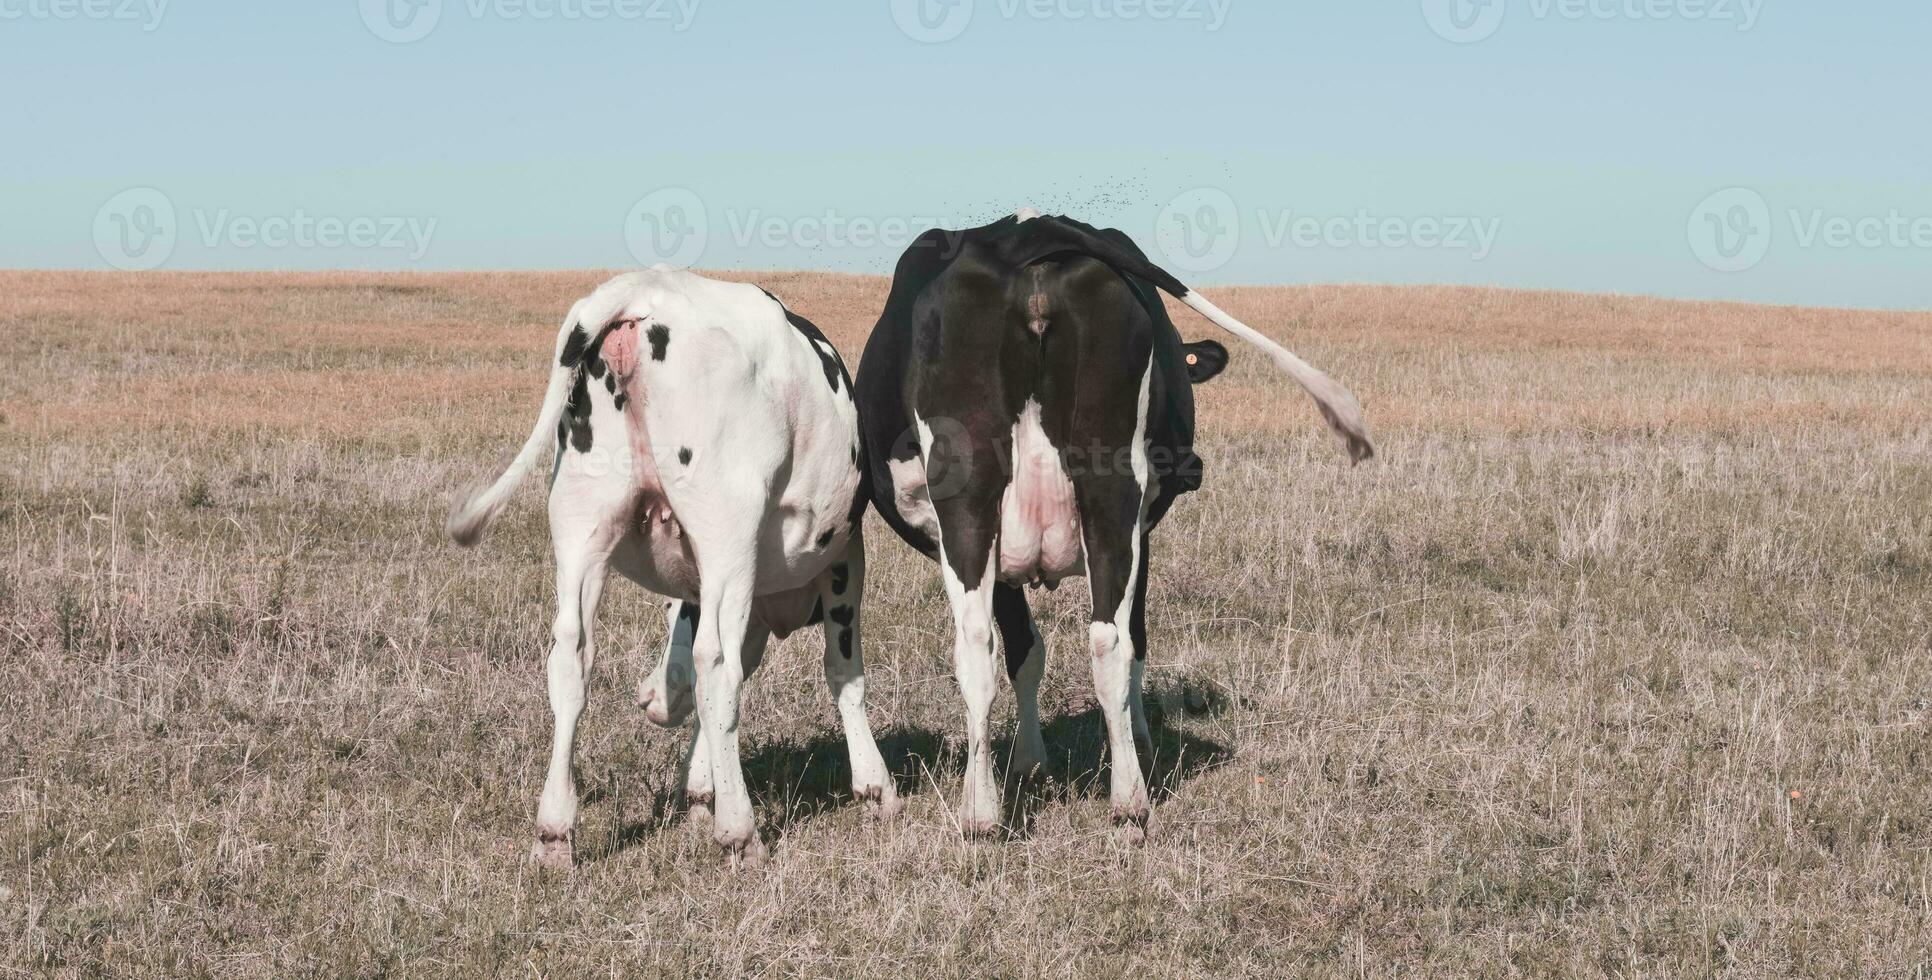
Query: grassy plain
{"type": "Point", "coordinates": [1617, 661]}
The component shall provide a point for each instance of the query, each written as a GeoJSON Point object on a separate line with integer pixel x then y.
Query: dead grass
{"type": "Point", "coordinates": [1618, 662]}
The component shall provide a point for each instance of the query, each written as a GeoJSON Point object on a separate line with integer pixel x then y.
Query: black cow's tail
{"type": "Point", "coordinates": [1343, 413]}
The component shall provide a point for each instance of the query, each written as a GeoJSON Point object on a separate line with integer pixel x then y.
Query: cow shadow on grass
{"type": "Point", "coordinates": [791, 782]}
{"type": "Point", "coordinates": [795, 781]}
{"type": "Point", "coordinates": [1078, 762]}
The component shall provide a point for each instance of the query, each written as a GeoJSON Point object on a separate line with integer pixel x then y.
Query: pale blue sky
{"type": "Point", "coordinates": [1576, 145]}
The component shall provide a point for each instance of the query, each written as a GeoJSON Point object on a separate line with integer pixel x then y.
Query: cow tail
{"type": "Point", "coordinates": [1337, 405]}
{"type": "Point", "coordinates": [470, 517]}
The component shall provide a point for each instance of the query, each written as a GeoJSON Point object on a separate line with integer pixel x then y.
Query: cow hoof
{"type": "Point", "coordinates": [1130, 824]}
{"type": "Point", "coordinates": [697, 807]}
{"type": "Point", "coordinates": [554, 851]}
{"type": "Point", "coordinates": [979, 828]}
{"type": "Point", "coordinates": [881, 802]}
{"type": "Point", "coordinates": [748, 852]}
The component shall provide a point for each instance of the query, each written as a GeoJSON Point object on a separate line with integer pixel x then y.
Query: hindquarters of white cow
{"type": "Point", "coordinates": [710, 452]}
{"type": "Point", "coordinates": [704, 397]}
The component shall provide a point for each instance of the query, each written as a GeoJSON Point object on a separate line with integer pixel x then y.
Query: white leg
{"type": "Point", "coordinates": [972, 602]}
{"type": "Point", "coordinates": [698, 795]}
{"type": "Point", "coordinates": [1113, 657]}
{"type": "Point", "coordinates": [722, 626]}
{"type": "Point", "coordinates": [580, 580]}
{"type": "Point", "coordinates": [842, 590]}
{"type": "Point", "coordinates": [1113, 511]}
{"type": "Point", "coordinates": [974, 667]}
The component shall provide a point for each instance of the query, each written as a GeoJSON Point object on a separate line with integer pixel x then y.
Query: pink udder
{"type": "Point", "coordinates": [620, 349]}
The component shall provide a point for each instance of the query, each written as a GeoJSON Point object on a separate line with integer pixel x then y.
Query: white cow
{"type": "Point", "coordinates": [707, 449]}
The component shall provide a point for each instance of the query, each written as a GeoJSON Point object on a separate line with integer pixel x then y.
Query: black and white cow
{"type": "Point", "coordinates": [1028, 417]}
{"type": "Point", "coordinates": [707, 448]}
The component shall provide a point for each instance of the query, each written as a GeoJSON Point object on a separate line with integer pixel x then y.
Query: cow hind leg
{"type": "Point", "coordinates": [1025, 663]}
{"type": "Point", "coordinates": [842, 590]}
{"type": "Point", "coordinates": [1110, 508]}
{"type": "Point", "coordinates": [699, 793]}
{"type": "Point", "coordinates": [727, 553]}
{"type": "Point", "coordinates": [968, 554]}
{"type": "Point", "coordinates": [582, 564]}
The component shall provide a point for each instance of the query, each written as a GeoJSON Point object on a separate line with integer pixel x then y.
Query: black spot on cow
{"type": "Point", "coordinates": [581, 356]}
{"type": "Point", "coordinates": [660, 338]}
{"type": "Point", "coordinates": [826, 538]}
{"type": "Point", "coordinates": [815, 339]}
{"type": "Point", "coordinates": [622, 399]}
{"type": "Point", "coordinates": [845, 644]}
{"type": "Point", "coordinates": [684, 455]}
{"type": "Point", "coordinates": [859, 497]}
{"type": "Point", "coordinates": [841, 615]}
{"type": "Point", "coordinates": [688, 614]}
{"type": "Point", "coordinates": [841, 577]}
{"type": "Point", "coordinates": [574, 345]}
{"type": "Point", "coordinates": [577, 414]}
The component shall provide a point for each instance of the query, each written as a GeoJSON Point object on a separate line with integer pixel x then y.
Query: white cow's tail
{"type": "Point", "coordinates": [1343, 413]}
{"type": "Point", "coordinates": [470, 517]}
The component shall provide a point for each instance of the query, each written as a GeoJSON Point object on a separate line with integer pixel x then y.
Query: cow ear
{"type": "Point", "coordinates": [1205, 359]}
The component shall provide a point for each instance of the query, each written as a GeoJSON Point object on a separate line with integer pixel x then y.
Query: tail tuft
{"type": "Point", "coordinates": [1338, 406]}
{"type": "Point", "coordinates": [471, 515]}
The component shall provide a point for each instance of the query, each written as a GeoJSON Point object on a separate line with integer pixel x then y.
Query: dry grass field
{"type": "Point", "coordinates": [1617, 662]}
